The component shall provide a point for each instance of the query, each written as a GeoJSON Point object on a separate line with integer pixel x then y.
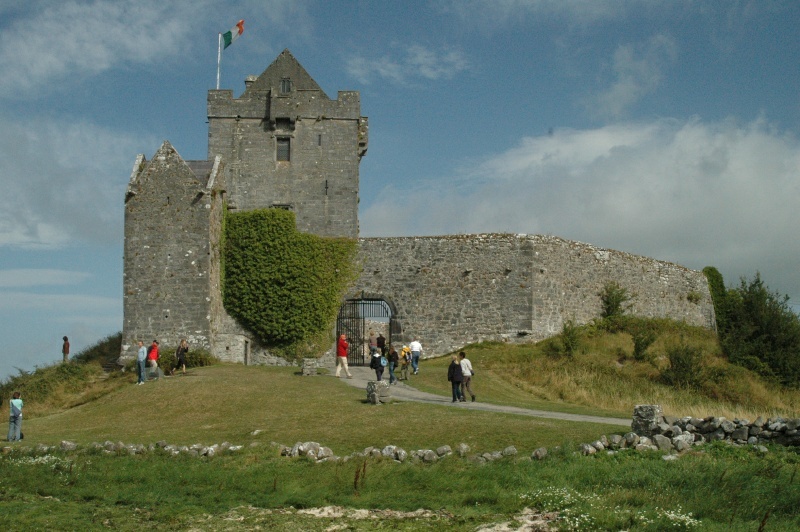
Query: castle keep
{"type": "Point", "coordinates": [283, 143]}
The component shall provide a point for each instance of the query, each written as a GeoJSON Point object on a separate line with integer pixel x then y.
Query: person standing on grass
{"type": "Point", "coordinates": [65, 349]}
{"type": "Point", "coordinates": [416, 352]}
{"type": "Point", "coordinates": [141, 362]}
{"type": "Point", "coordinates": [394, 358]}
{"type": "Point", "coordinates": [455, 377]}
{"type": "Point", "coordinates": [180, 357]}
{"type": "Point", "coordinates": [152, 357]}
{"type": "Point", "coordinates": [15, 417]}
{"type": "Point", "coordinates": [467, 373]}
{"type": "Point", "coordinates": [341, 356]}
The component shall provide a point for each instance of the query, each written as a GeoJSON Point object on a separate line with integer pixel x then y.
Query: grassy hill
{"type": "Point", "coordinates": [720, 488]}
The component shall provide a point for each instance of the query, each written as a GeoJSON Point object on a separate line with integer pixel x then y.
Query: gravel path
{"type": "Point", "coordinates": [403, 392]}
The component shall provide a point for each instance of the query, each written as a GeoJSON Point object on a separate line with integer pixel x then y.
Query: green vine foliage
{"type": "Point", "coordinates": [282, 285]}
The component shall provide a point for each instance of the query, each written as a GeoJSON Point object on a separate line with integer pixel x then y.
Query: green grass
{"type": "Point", "coordinates": [720, 488]}
{"type": "Point", "coordinates": [228, 402]}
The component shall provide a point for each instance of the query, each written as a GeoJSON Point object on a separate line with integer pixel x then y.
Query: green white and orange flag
{"type": "Point", "coordinates": [229, 36]}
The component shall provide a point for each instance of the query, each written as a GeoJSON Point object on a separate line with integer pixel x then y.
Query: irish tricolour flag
{"type": "Point", "coordinates": [229, 36]}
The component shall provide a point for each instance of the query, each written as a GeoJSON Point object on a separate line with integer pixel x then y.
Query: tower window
{"type": "Point", "coordinates": [283, 152]}
{"type": "Point", "coordinates": [286, 85]}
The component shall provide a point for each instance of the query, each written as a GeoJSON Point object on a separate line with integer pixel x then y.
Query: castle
{"type": "Point", "coordinates": [285, 144]}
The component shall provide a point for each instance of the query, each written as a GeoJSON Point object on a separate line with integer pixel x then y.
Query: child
{"type": "Point", "coordinates": [405, 361]}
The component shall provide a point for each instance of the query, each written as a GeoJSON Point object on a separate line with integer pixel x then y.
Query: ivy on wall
{"type": "Point", "coordinates": [283, 285]}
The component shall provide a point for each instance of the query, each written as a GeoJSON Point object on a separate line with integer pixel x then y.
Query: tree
{"type": "Point", "coordinates": [762, 332]}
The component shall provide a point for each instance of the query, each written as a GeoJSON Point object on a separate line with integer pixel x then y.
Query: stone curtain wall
{"type": "Point", "coordinates": [454, 290]}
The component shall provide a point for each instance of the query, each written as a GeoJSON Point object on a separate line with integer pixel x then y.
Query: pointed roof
{"type": "Point", "coordinates": [285, 66]}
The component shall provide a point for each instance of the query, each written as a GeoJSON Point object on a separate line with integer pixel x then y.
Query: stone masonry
{"type": "Point", "coordinates": [283, 143]}
{"type": "Point", "coordinates": [454, 290]}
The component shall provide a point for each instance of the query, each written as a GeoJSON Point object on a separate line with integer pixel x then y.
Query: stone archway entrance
{"type": "Point", "coordinates": [356, 317]}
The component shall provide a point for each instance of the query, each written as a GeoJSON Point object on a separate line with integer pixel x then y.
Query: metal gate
{"type": "Point", "coordinates": [351, 322]}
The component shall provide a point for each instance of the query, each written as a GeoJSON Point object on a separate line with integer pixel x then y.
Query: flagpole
{"type": "Point", "coordinates": [219, 56]}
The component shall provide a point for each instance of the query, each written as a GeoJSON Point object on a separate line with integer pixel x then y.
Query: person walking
{"type": "Point", "coordinates": [341, 356]}
{"type": "Point", "coordinates": [15, 417]}
{"type": "Point", "coordinates": [416, 352]}
{"type": "Point", "coordinates": [141, 362]}
{"type": "Point", "coordinates": [152, 357]}
{"type": "Point", "coordinates": [180, 357]}
{"type": "Point", "coordinates": [467, 372]}
{"type": "Point", "coordinates": [65, 349]}
{"type": "Point", "coordinates": [455, 377]}
{"type": "Point", "coordinates": [393, 358]}
{"type": "Point", "coordinates": [405, 362]}
{"type": "Point", "coordinates": [376, 363]}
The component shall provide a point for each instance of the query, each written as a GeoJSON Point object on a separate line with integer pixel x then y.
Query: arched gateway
{"type": "Point", "coordinates": [357, 316]}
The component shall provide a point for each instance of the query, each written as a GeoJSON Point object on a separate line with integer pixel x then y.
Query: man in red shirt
{"type": "Point", "coordinates": [341, 356]}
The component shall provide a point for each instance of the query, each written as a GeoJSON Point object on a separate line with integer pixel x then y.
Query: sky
{"type": "Point", "coordinates": [669, 129]}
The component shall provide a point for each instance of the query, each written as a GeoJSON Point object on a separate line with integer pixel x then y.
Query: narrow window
{"type": "Point", "coordinates": [283, 149]}
{"type": "Point", "coordinates": [319, 140]}
{"type": "Point", "coordinates": [286, 85]}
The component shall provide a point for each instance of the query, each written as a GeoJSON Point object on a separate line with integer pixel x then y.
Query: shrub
{"type": "Point", "coordinates": [613, 299]}
{"type": "Point", "coordinates": [685, 366]}
{"type": "Point", "coordinates": [570, 337]}
{"type": "Point", "coordinates": [106, 349]}
{"type": "Point", "coordinates": [194, 358]}
{"type": "Point", "coordinates": [642, 339]}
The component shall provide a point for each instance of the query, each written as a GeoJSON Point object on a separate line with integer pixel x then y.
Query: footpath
{"type": "Point", "coordinates": [403, 392]}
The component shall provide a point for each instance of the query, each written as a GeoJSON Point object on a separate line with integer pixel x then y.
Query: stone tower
{"type": "Point", "coordinates": [282, 144]}
{"type": "Point", "coordinates": [290, 146]}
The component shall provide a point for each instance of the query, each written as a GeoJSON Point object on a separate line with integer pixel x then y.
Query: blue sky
{"type": "Point", "coordinates": [662, 128]}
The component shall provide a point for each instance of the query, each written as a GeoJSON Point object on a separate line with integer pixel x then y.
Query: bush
{"type": "Point", "coordinates": [613, 299]}
{"type": "Point", "coordinates": [570, 337]}
{"type": "Point", "coordinates": [195, 358]}
{"type": "Point", "coordinates": [642, 340]}
{"type": "Point", "coordinates": [106, 349]}
{"type": "Point", "coordinates": [685, 366]}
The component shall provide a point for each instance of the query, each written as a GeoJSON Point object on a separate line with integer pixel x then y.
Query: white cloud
{"type": "Point", "coordinates": [721, 194]}
{"type": "Point", "coordinates": [75, 39]}
{"type": "Point", "coordinates": [637, 71]}
{"type": "Point", "coordinates": [40, 277]}
{"type": "Point", "coordinates": [408, 65]}
{"type": "Point", "coordinates": [49, 42]}
{"type": "Point", "coordinates": [62, 181]}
